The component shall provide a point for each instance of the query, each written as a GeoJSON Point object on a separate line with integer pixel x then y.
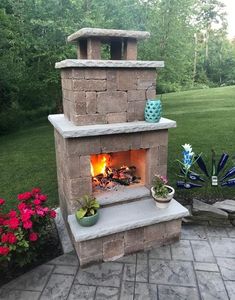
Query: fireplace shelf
{"type": "Point", "coordinates": [124, 217]}
{"type": "Point", "coordinates": [69, 130]}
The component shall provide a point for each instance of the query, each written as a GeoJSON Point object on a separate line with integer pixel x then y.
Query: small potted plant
{"type": "Point", "coordinates": [88, 214]}
{"type": "Point", "coordinates": [162, 193]}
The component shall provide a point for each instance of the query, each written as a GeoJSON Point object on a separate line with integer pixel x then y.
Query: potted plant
{"type": "Point", "coordinates": [87, 214]}
{"type": "Point", "coordinates": [162, 193]}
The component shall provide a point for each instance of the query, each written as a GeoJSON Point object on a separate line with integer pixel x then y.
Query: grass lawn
{"type": "Point", "coordinates": [205, 119]}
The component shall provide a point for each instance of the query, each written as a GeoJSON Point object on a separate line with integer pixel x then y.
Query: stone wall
{"type": "Point", "coordinates": [73, 160]}
{"type": "Point", "coordinates": [114, 246]}
{"type": "Point", "coordinates": [106, 95]}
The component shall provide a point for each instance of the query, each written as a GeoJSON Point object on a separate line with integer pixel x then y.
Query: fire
{"type": "Point", "coordinates": [98, 164]}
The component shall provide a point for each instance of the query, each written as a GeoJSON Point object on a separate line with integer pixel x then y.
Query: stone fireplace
{"type": "Point", "coordinates": [105, 148]}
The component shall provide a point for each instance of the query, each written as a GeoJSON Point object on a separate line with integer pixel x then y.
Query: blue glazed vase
{"type": "Point", "coordinates": [153, 110]}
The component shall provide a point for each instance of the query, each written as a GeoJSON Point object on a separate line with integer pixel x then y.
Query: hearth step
{"type": "Point", "coordinates": [124, 194]}
{"type": "Point", "coordinates": [123, 217]}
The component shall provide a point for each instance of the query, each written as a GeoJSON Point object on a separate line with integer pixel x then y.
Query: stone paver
{"type": "Point", "coordinates": [200, 266]}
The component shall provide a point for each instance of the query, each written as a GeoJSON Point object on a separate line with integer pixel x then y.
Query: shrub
{"type": "Point", "coordinates": [23, 229]}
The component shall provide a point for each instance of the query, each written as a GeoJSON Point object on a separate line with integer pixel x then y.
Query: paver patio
{"type": "Point", "coordinates": [200, 266]}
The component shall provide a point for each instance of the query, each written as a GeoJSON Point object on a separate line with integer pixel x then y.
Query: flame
{"type": "Point", "coordinates": [99, 163]}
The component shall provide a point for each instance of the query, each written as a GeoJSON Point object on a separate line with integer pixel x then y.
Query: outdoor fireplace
{"type": "Point", "coordinates": [105, 148]}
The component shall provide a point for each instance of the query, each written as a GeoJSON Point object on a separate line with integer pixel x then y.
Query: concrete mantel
{"type": "Point", "coordinates": [92, 63]}
{"type": "Point", "coordinates": [69, 130]}
{"type": "Point", "coordinates": [107, 33]}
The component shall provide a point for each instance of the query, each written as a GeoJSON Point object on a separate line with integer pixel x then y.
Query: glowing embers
{"type": "Point", "coordinates": [116, 169]}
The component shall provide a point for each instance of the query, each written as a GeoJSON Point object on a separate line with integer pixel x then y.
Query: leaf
{"type": "Point", "coordinates": [81, 213]}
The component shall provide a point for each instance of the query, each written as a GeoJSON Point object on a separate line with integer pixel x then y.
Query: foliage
{"type": "Point", "coordinates": [23, 229]}
{"type": "Point", "coordinates": [89, 206]}
{"type": "Point", "coordinates": [159, 186]}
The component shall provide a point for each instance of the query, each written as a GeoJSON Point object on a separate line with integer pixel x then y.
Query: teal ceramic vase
{"type": "Point", "coordinates": [153, 110]}
{"type": "Point", "coordinates": [88, 221]}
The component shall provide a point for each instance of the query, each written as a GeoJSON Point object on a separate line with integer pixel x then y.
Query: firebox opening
{"type": "Point", "coordinates": [111, 170]}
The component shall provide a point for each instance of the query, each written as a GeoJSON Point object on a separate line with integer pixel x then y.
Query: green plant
{"type": "Point", "coordinates": [159, 186]}
{"type": "Point", "coordinates": [89, 206]}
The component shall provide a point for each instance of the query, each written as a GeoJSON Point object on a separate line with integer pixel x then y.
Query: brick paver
{"type": "Point", "coordinates": [200, 266]}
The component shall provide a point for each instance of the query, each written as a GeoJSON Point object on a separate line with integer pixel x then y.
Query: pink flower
{"type": "Point", "coordinates": [52, 214]}
{"type": "Point", "coordinates": [37, 202]}
{"type": "Point", "coordinates": [24, 196]}
{"type": "Point", "coordinates": [12, 214]}
{"type": "Point", "coordinates": [36, 191]}
{"type": "Point", "coordinates": [2, 201]}
{"type": "Point", "coordinates": [4, 238]}
{"type": "Point", "coordinates": [25, 215]}
{"type": "Point", "coordinates": [21, 206]}
{"type": "Point", "coordinates": [13, 223]}
{"type": "Point", "coordinates": [4, 250]}
{"type": "Point", "coordinates": [42, 197]}
{"type": "Point", "coordinates": [27, 224]}
{"type": "Point", "coordinates": [12, 239]}
{"type": "Point", "coordinates": [33, 236]}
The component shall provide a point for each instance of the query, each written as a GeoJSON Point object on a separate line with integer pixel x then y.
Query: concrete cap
{"type": "Point", "coordinates": [106, 34]}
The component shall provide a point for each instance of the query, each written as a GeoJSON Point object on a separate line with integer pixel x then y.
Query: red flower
{"type": "Point", "coordinates": [1, 230]}
{"type": "Point", "coordinates": [36, 191]}
{"type": "Point", "coordinates": [42, 197]}
{"type": "Point", "coordinates": [12, 214]}
{"type": "Point", "coordinates": [24, 196]}
{"type": "Point", "coordinates": [27, 224]}
{"type": "Point", "coordinates": [33, 236]}
{"type": "Point", "coordinates": [25, 215]}
{"type": "Point", "coordinates": [12, 239]}
{"type": "Point", "coordinates": [4, 250]}
{"type": "Point", "coordinates": [21, 206]}
{"type": "Point", "coordinates": [13, 223]}
{"type": "Point", "coordinates": [40, 212]}
{"type": "Point", "coordinates": [4, 238]}
{"type": "Point", "coordinates": [1, 221]}
{"type": "Point", "coordinates": [52, 214]}
{"type": "Point", "coordinates": [2, 201]}
{"type": "Point", "coordinates": [37, 202]}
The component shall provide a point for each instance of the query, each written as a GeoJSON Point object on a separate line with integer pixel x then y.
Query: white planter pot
{"type": "Point", "coordinates": [163, 202]}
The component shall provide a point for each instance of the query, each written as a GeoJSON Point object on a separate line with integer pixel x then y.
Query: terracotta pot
{"type": "Point", "coordinates": [163, 202]}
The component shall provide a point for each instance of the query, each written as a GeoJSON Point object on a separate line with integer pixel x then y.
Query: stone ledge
{"type": "Point", "coordinates": [124, 217]}
{"type": "Point", "coordinates": [92, 63]}
{"type": "Point", "coordinates": [125, 194]}
{"type": "Point", "coordinates": [69, 130]}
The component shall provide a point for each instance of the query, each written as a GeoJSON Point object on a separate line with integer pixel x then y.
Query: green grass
{"type": "Point", "coordinates": [205, 119]}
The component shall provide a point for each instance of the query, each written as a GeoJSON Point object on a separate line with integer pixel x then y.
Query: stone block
{"type": "Point", "coordinates": [72, 166]}
{"type": "Point", "coordinates": [130, 49]}
{"type": "Point", "coordinates": [79, 97]}
{"type": "Point", "coordinates": [139, 107]}
{"type": "Point", "coordinates": [67, 84]}
{"type": "Point", "coordinates": [67, 95]}
{"type": "Point", "coordinates": [136, 95]}
{"type": "Point", "coordinates": [66, 73]}
{"type": "Point", "coordinates": [79, 108]}
{"type": "Point", "coordinates": [116, 117]}
{"type": "Point", "coordinates": [149, 75]}
{"type": "Point", "coordinates": [156, 232]}
{"type": "Point", "coordinates": [90, 248]}
{"type": "Point", "coordinates": [151, 93]}
{"type": "Point", "coordinates": [89, 85]}
{"type": "Point", "coordinates": [91, 103]}
{"type": "Point", "coordinates": [135, 140]}
{"type": "Point", "coordinates": [131, 117]}
{"type": "Point", "coordinates": [95, 73]}
{"type": "Point", "coordinates": [208, 211]}
{"type": "Point", "coordinates": [113, 237]}
{"type": "Point", "coordinates": [78, 187]}
{"type": "Point", "coordinates": [82, 146]}
{"type": "Point", "coordinates": [134, 236]}
{"type": "Point", "coordinates": [113, 250]}
{"type": "Point", "coordinates": [173, 227]}
{"type": "Point", "coordinates": [163, 153]}
{"type": "Point", "coordinates": [126, 80]}
{"type": "Point", "coordinates": [110, 102]}
{"type": "Point", "coordinates": [85, 166]}
{"type": "Point", "coordinates": [145, 84]}
{"type": "Point", "coordinates": [66, 109]}
{"type": "Point", "coordinates": [93, 48]}
{"type": "Point", "coordinates": [78, 73]}
{"type": "Point", "coordinates": [134, 248]}
{"type": "Point", "coordinates": [88, 261]}
{"type": "Point", "coordinates": [112, 80]}
{"type": "Point", "coordinates": [115, 143]}
{"type": "Point", "coordinates": [88, 119]}
{"type": "Point", "coordinates": [154, 138]}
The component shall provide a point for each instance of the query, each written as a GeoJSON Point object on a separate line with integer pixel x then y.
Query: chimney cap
{"type": "Point", "coordinates": [106, 34]}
